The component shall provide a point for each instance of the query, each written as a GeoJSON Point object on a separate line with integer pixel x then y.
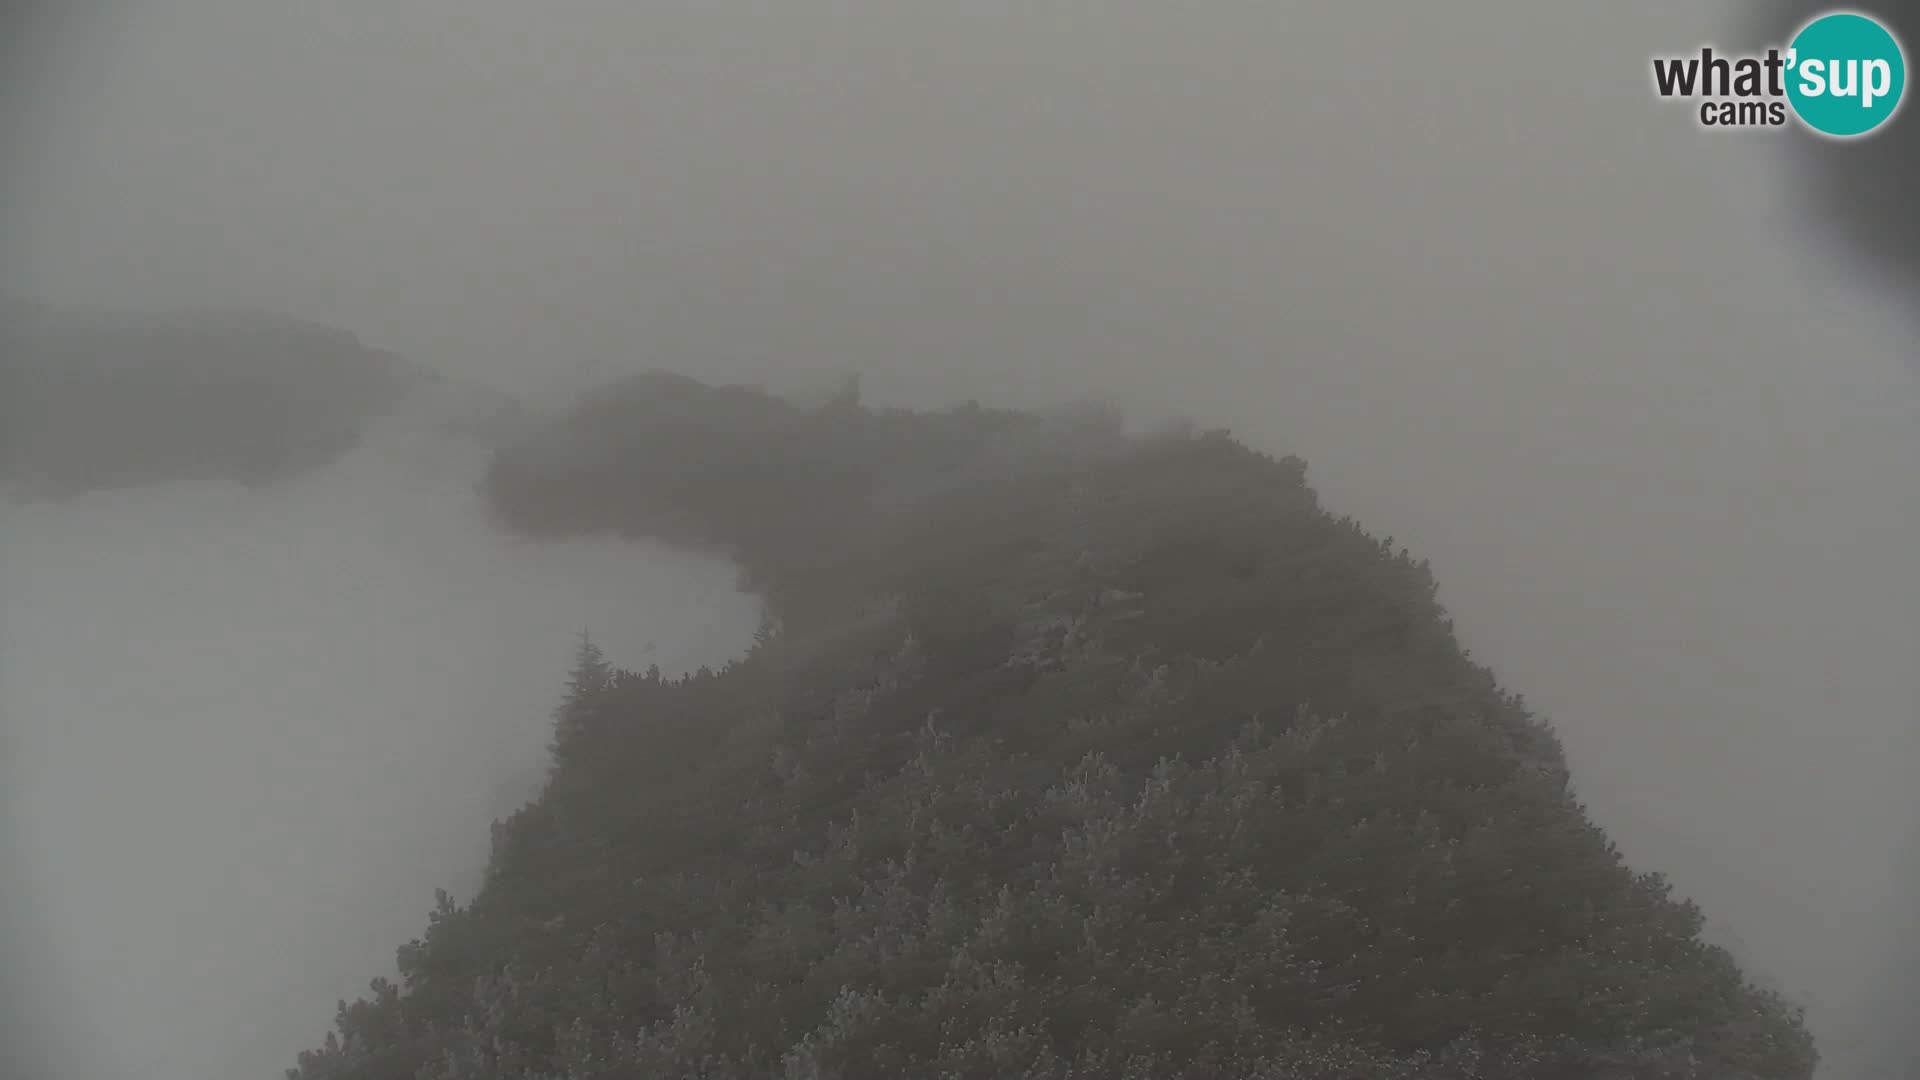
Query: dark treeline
{"type": "Point", "coordinates": [1062, 753]}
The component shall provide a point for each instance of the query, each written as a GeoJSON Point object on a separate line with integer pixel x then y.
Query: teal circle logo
{"type": "Point", "coordinates": [1848, 74]}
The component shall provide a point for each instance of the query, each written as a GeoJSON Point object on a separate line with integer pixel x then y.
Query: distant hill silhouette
{"type": "Point", "coordinates": [101, 400]}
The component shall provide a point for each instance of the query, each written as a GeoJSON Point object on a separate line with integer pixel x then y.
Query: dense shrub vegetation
{"type": "Point", "coordinates": [1061, 754]}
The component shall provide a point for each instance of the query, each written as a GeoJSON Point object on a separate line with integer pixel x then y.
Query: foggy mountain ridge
{"type": "Point", "coordinates": [105, 399]}
{"type": "Point", "coordinates": [1123, 757]}
{"type": "Point", "coordinates": [1645, 396]}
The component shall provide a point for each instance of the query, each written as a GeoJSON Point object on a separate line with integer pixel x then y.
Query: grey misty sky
{"type": "Point", "coordinates": [1515, 312]}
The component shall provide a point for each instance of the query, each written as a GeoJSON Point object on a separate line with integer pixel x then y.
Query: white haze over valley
{"type": "Point", "coordinates": [252, 732]}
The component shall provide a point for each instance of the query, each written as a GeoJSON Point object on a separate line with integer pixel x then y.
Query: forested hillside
{"type": "Point", "coordinates": [1062, 753]}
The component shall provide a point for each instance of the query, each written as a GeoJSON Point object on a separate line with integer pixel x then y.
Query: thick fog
{"type": "Point", "coordinates": [1857, 193]}
{"type": "Point", "coordinates": [1659, 444]}
{"type": "Point", "coordinates": [252, 732]}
